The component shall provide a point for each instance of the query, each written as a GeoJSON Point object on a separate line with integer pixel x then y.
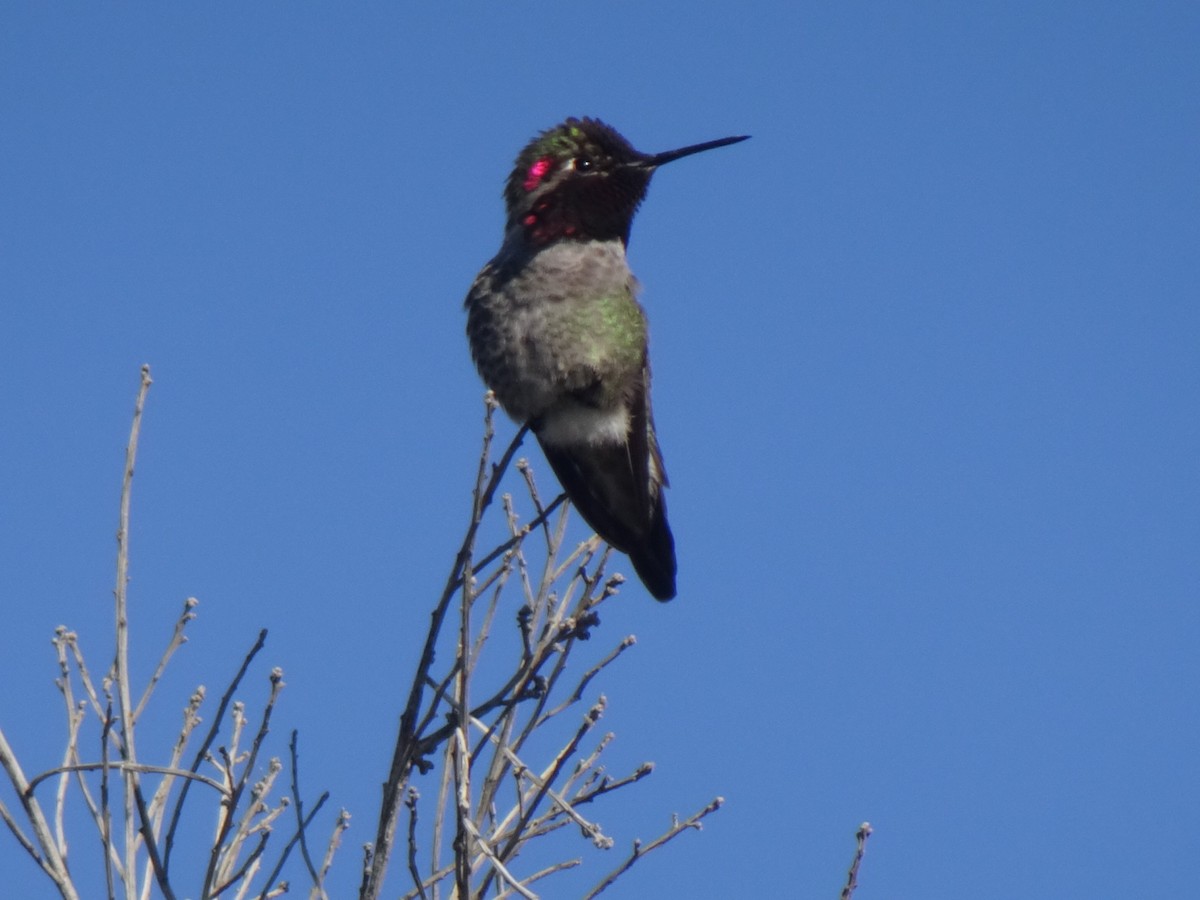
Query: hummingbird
{"type": "Point", "coordinates": [557, 332]}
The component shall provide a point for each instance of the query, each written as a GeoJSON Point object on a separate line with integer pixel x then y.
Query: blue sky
{"type": "Point", "coordinates": [926, 379]}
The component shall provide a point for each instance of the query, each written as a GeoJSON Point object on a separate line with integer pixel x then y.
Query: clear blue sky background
{"type": "Point", "coordinates": [927, 358]}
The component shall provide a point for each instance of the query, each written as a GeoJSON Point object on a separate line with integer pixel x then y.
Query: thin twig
{"type": "Point", "coordinates": [677, 828]}
{"type": "Point", "coordinates": [75, 716]}
{"type": "Point", "coordinates": [301, 829]}
{"type": "Point", "coordinates": [71, 639]}
{"type": "Point", "coordinates": [591, 673]}
{"type": "Point", "coordinates": [239, 786]}
{"type": "Point", "coordinates": [111, 856]}
{"type": "Point", "coordinates": [864, 832]}
{"type": "Point", "coordinates": [15, 827]}
{"type": "Point", "coordinates": [178, 639]}
{"type": "Point", "coordinates": [497, 864]}
{"type": "Point", "coordinates": [335, 840]}
{"type": "Point", "coordinates": [298, 805]}
{"type": "Point", "coordinates": [545, 785]}
{"type": "Point", "coordinates": [241, 871]}
{"type": "Point", "coordinates": [557, 630]}
{"type": "Point", "coordinates": [462, 706]}
{"type": "Point", "coordinates": [202, 751]}
{"type": "Point", "coordinates": [74, 721]}
{"type": "Point", "coordinates": [147, 833]}
{"type": "Point", "coordinates": [140, 768]}
{"type": "Point", "coordinates": [542, 787]}
{"type": "Point", "coordinates": [437, 838]}
{"type": "Point", "coordinates": [120, 597]}
{"type": "Point", "coordinates": [191, 718]}
{"type": "Point", "coordinates": [537, 520]}
{"type": "Point", "coordinates": [538, 876]}
{"type": "Point", "coordinates": [608, 785]}
{"type": "Point", "coordinates": [415, 872]}
{"type": "Point", "coordinates": [462, 808]}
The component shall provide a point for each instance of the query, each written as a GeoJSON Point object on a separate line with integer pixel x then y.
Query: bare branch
{"type": "Point", "coordinates": [318, 879]}
{"type": "Point", "coordinates": [507, 789]}
{"type": "Point", "coordinates": [202, 751]}
{"type": "Point", "coordinates": [538, 876]}
{"type": "Point", "coordinates": [178, 639]}
{"type": "Point", "coordinates": [411, 804]}
{"type": "Point", "coordinates": [591, 673]}
{"type": "Point", "coordinates": [46, 854]}
{"type": "Point", "coordinates": [120, 597]}
{"type": "Point", "coordinates": [298, 805]}
{"type": "Point", "coordinates": [537, 520]}
{"type": "Point", "coordinates": [228, 852]}
{"type": "Point", "coordinates": [335, 840]}
{"type": "Point", "coordinates": [864, 832]}
{"type": "Point", "coordinates": [141, 813]}
{"type": "Point", "coordinates": [677, 828]}
{"type": "Point", "coordinates": [141, 768]}
{"type": "Point", "coordinates": [513, 882]}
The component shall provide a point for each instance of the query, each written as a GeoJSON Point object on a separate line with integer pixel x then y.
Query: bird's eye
{"type": "Point", "coordinates": [583, 164]}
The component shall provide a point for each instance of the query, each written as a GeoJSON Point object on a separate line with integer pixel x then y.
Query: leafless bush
{"type": "Point", "coordinates": [516, 753]}
{"type": "Point", "coordinates": [506, 738]}
{"type": "Point", "coordinates": [137, 807]}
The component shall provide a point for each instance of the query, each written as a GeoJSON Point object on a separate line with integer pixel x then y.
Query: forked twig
{"type": "Point", "coordinates": [298, 805]}
{"type": "Point", "coordinates": [537, 520]}
{"type": "Point", "coordinates": [677, 828]}
{"type": "Point", "coordinates": [202, 751]}
{"type": "Point", "coordinates": [178, 639]}
{"type": "Point", "coordinates": [219, 846]}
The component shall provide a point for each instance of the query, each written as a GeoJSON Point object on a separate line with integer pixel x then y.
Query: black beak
{"type": "Point", "coordinates": [661, 159]}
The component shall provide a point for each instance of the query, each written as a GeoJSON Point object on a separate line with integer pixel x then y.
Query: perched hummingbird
{"type": "Point", "coordinates": [557, 332]}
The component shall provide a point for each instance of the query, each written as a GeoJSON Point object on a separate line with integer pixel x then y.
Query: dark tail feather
{"type": "Point", "coordinates": [601, 485]}
{"type": "Point", "coordinates": [653, 557]}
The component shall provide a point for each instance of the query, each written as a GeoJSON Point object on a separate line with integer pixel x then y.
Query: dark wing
{"type": "Point", "coordinates": [617, 488]}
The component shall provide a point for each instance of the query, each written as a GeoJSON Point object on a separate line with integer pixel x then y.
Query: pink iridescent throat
{"type": "Point", "coordinates": [536, 173]}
